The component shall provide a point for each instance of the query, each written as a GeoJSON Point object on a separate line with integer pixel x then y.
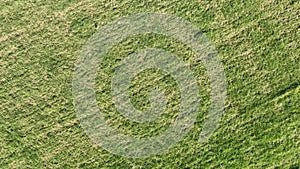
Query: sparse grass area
{"type": "Point", "coordinates": [258, 42]}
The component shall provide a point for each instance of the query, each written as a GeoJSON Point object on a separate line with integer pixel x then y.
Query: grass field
{"type": "Point", "coordinates": [257, 41]}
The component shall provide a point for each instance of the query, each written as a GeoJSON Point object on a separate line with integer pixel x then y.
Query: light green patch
{"type": "Point", "coordinates": [258, 42]}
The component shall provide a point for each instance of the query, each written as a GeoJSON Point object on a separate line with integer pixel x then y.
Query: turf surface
{"type": "Point", "coordinates": [257, 41]}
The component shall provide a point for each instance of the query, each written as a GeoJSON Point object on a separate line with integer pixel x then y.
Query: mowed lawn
{"type": "Point", "coordinates": [257, 41]}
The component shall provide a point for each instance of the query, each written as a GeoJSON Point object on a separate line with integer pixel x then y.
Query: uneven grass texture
{"type": "Point", "coordinates": [257, 41]}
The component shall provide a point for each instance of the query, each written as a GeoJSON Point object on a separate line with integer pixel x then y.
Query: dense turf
{"type": "Point", "coordinates": [258, 42]}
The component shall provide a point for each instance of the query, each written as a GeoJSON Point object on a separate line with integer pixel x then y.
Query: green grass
{"type": "Point", "coordinates": [257, 41]}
